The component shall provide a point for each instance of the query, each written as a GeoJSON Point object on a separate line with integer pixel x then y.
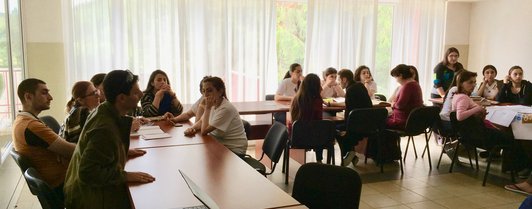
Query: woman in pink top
{"type": "Point", "coordinates": [409, 97]}
{"type": "Point", "coordinates": [465, 108]}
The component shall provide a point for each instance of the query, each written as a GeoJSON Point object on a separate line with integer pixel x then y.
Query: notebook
{"type": "Point", "coordinates": [199, 193]}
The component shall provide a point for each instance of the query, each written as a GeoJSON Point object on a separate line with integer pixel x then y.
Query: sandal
{"type": "Point", "coordinates": [515, 188]}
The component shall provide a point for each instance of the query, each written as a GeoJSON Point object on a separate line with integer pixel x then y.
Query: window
{"type": "Point", "coordinates": [11, 68]}
{"type": "Point", "coordinates": [291, 34]}
{"type": "Point", "coordinates": [383, 48]}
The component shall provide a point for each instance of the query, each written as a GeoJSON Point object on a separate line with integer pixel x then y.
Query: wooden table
{"type": "Point", "coordinates": [178, 138]}
{"type": "Point", "coordinates": [227, 179]}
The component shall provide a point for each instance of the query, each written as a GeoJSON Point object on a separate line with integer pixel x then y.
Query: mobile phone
{"type": "Point", "coordinates": [178, 124]}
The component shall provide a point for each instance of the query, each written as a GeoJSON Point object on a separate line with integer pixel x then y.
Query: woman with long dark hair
{"type": "Point", "coordinates": [308, 104]}
{"type": "Point", "coordinates": [444, 72]}
{"type": "Point", "coordinates": [159, 98]}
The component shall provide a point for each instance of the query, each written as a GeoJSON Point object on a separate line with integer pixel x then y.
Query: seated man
{"type": "Point", "coordinates": [46, 151]}
{"type": "Point", "coordinates": [96, 174]}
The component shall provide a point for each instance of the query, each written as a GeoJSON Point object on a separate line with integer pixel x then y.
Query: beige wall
{"type": "Point", "coordinates": [457, 29]}
{"type": "Point", "coordinates": [45, 58]}
{"type": "Point", "coordinates": [500, 34]}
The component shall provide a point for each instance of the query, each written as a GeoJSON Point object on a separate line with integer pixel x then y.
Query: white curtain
{"type": "Point", "coordinates": [340, 34]}
{"type": "Point", "coordinates": [188, 39]}
{"type": "Point", "coordinates": [418, 32]}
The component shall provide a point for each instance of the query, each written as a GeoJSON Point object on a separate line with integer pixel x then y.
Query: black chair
{"type": "Point", "coordinates": [247, 127]}
{"type": "Point", "coordinates": [448, 136]}
{"type": "Point", "coordinates": [314, 134]}
{"type": "Point", "coordinates": [380, 97]}
{"type": "Point", "coordinates": [269, 97]}
{"type": "Point", "coordinates": [22, 162]}
{"type": "Point", "coordinates": [327, 186]}
{"type": "Point", "coordinates": [51, 122]}
{"type": "Point", "coordinates": [48, 198]}
{"type": "Point", "coordinates": [473, 133]}
{"type": "Point", "coordinates": [274, 144]}
{"type": "Point", "coordinates": [420, 121]}
{"type": "Point", "coordinates": [367, 122]}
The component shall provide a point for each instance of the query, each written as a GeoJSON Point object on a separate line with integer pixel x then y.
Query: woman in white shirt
{"type": "Point", "coordinates": [331, 88]}
{"type": "Point", "coordinates": [290, 83]}
{"type": "Point", "coordinates": [220, 118]}
{"type": "Point", "coordinates": [490, 87]}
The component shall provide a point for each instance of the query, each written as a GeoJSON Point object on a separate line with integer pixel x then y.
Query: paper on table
{"type": "Point", "coordinates": [501, 117]}
{"type": "Point", "coordinates": [148, 128]}
{"type": "Point", "coordinates": [339, 99]}
{"type": "Point", "coordinates": [155, 136]}
{"type": "Point", "coordinates": [150, 131]}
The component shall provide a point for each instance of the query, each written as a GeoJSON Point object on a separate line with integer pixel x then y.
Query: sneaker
{"type": "Point", "coordinates": [349, 158]}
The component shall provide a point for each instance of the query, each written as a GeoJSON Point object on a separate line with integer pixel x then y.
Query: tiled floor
{"type": "Point", "coordinates": [419, 187]}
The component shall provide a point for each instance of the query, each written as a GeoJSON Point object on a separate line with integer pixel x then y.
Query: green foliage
{"type": "Point", "coordinates": [383, 51]}
{"type": "Point", "coordinates": [291, 35]}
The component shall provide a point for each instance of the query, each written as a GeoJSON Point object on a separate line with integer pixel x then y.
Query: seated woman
{"type": "Point", "coordinates": [490, 87]}
{"type": "Point", "coordinates": [363, 75]}
{"type": "Point", "coordinates": [330, 88]}
{"type": "Point", "coordinates": [220, 118]}
{"type": "Point", "coordinates": [409, 97]}
{"type": "Point", "coordinates": [393, 97]}
{"type": "Point", "coordinates": [287, 89]}
{"type": "Point", "coordinates": [195, 111]}
{"type": "Point", "coordinates": [85, 98]}
{"type": "Point", "coordinates": [308, 105]}
{"type": "Point", "coordinates": [159, 98]}
{"type": "Point", "coordinates": [515, 90]}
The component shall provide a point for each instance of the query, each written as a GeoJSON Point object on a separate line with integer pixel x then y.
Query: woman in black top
{"type": "Point", "coordinates": [444, 72]}
{"type": "Point", "coordinates": [515, 90]}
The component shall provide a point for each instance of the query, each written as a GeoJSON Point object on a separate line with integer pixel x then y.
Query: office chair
{"type": "Point", "coordinates": [327, 186]}
{"type": "Point", "coordinates": [48, 198]}
{"type": "Point", "coordinates": [51, 122]}
{"type": "Point", "coordinates": [274, 144]}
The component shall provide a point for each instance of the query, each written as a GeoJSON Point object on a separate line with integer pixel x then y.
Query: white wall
{"type": "Point", "coordinates": [43, 39]}
{"type": "Point", "coordinates": [501, 34]}
{"type": "Point", "coordinates": [457, 24]}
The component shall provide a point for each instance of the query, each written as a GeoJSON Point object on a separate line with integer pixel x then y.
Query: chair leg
{"type": "Point", "coordinates": [286, 165]}
{"type": "Point", "coordinates": [476, 158]}
{"type": "Point", "coordinates": [400, 160]}
{"type": "Point", "coordinates": [427, 139]}
{"type": "Point", "coordinates": [413, 145]}
{"type": "Point", "coordinates": [430, 135]}
{"type": "Point", "coordinates": [441, 153]}
{"type": "Point", "coordinates": [455, 157]}
{"type": "Point", "coordinates": [490, 156]}
{"type": "Point", "coordinates": [406, 150]}
{"type": "Point", "coordinates": [469, 156]}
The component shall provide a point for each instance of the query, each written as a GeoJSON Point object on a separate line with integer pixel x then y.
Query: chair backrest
{"type": "Point", "coordinates": [380, 97]}
{"type": "Point", "coordinates": [312, 134]}
{"type": "Point", "coordinates": [366, 121]}
{"type": "Point", "coordinates": [269, 97]}
{"type": "Point", "coordinates": [51, 122]}
{"type": "Point", "coordinates": [247, 127]}
{"type": "Point", "coordinates": [471, 130]}
{"type": "Point", "coordinates": [327, 186]}
{"type": "Point", "coordinates": [421, 118]}
{"type": "Point", "coordinates": [48, 198]}
{"type": "Point", "coordinates": [275, 141]}
{"type": "Point", "coordinates": [22, 162]}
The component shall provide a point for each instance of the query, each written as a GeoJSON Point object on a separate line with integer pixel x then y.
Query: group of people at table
{"type": "Point", "coordinates": [85, 161]}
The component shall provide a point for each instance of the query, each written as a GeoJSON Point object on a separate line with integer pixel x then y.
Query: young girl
{"type": "Point", "coordinates": [490, 87]}
{"type": "Point", "coordinates": [516, 90]}
{"type": "Point", "coordinates": [220, 118]}
{"type": "Point", "coordinates": [85, 97]}
{"type": "Point", "coordinates": [363, 75]}
{"type": "Point", "coordinates": [159, 98]}
{"type": "Point", "coordinates": [444, 72]}
{"type": "Point", "coordinates": [308, 105]}
{"type": "Point", "coordinates": [330, 88]}
{"type": "Point", "coordinates": [290, 83]}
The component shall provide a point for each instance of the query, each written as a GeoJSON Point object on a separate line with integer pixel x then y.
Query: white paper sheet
{"type": "Point", "coordinates": [156, 136]}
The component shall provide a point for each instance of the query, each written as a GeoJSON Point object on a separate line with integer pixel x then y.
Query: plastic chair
{"type": "Point", "coordinates": [314, 134]}
{"type": "Point", "coordinates": [48, 198]}
{"type": "Point", "coordinates": [420, 121]}
{"type": "Point", "coordinates": [368, 122]}
{"type": "Point", "coordinates": [51, 122]}
{"type": "Point", "coordinates": [327, 186]}
{"type": "Point", "coordinates": [472, 132]}
{"type": "Point", "coordinates": [449, 136]}
{"type": "Point", "coordinates": [22, 162]}
{"type": "Point", "coordinates": [380, 97]}
{"type": "Point", "coordinates": [274, 144]}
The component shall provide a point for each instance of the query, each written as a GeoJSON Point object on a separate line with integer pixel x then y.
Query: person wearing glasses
{"type": "Point", "coordinates": [85, 98]}
{"type": "Point", "coordinates": [288, 88]}
{"type": "Point", "coordinates": [159, 98]}
{"type": "Point", "coordinates": [96, 175]}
